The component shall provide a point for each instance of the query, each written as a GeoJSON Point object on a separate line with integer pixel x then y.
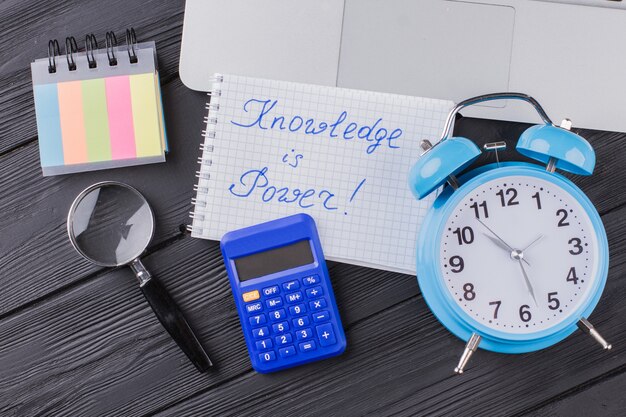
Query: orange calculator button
{"type": "Point", "coordinates": [251, 296]}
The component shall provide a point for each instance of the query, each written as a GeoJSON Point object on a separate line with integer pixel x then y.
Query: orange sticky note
{"type": "Point", "coordinates": [72, 122]}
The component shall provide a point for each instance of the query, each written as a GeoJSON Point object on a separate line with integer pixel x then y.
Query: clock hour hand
{"type": "Point", "coordinates": [500, 242]}
{"type": "Point", "coordinates": [503, 246]}
{"type": "Point", "coordinates": [509, 247]}
{"type": "Point", "coordinates": [528, 284]}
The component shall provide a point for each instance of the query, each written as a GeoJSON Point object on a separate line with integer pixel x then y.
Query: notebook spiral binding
{"type": "Point", "coordinates": [204, 160]}
{"type": "Point", "coordinates": [91, 46]}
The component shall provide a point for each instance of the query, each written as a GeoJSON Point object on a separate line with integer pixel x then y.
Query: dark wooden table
{"type": "Point", "coordinates": [79, 340]}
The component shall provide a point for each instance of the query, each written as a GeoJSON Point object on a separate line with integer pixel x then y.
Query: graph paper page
{"type": "Point", "coordinates": [275, 148]}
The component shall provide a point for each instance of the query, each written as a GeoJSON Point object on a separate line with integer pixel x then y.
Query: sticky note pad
{"type": "Point", "coordinates": [97, 118]}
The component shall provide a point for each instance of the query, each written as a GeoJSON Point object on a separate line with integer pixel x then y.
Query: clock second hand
{"type": "Point", "coordinates": [532, 243]}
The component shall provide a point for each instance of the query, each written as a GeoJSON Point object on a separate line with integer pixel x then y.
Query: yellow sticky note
{"type": "Point", "coordinates": [146, 115]}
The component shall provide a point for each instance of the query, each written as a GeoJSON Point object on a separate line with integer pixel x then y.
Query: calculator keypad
{"type": "Point", "coordinates": [297, 327]}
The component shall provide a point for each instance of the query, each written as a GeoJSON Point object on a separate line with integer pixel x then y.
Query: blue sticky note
{"type": "Point", "coordinates": [48, 125]}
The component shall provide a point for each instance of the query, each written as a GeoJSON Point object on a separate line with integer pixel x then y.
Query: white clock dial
{"type": "Point", "coordinates": [519, 254]}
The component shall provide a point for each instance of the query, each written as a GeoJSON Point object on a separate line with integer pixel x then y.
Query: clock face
{"type": "Point", "coordinates": [519, 254]}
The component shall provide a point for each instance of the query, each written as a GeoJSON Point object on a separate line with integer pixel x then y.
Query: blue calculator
{"type": "Point", "coordinates": [283, 293]}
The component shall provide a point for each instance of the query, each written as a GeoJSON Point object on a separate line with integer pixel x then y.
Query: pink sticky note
{"type": "Point", "coordinates": [119, 106]}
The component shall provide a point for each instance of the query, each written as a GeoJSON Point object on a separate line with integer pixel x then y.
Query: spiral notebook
{"type": "Point", "coordinates": [98, 108]}
{"type": "Point", "coordinates": [274, 148]}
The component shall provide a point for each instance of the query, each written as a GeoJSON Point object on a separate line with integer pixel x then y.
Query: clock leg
{"type": "Point", "coordinates": [470, 348]}
{"type": "Point", "coordinates": [585, 326]}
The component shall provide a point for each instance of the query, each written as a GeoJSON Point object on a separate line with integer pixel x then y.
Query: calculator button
{"type": "Point", "coordinates": [311, 280]}
{"type": "Point", "coordinates": [307, 346]}
{"type": "Point", "coordinates": [260, 333]}
{"type": "Point", "coordinates": [251, 296]}
{"type": "Point", "coordinates": [267, 356]}
{"type": "Point", "coordinates": [274, 302]}
{"type": "Point", "coordinates": [314, 292]}
{"type": "Point", "coordinates": [297, 310]}
{"type": "Point", "coordinates": [269, 291]}
{"type": "Point", "coordinates": [283, 339]}
{"type": "Point", "coordinates": [304, 334]}
{"type": "Point", "coordinates": [264, 344]}
{"type": "Point", "coordinates": [321, 316]}
{"type": "Point", "coordinates": [317, 304]}
{"type": "Point", "coordinates": [280, 327]}
{"type": "Point", "coordinates": [256, 320]}
{"type": "Point", "coordinates": [291, 285]}
{"type": "Point", "coordinates": [286, 352]}
{"type": "Point", "coordinates": [294, 297]}
{"type": "Point", "coordinates": [254, 307]}
{"type": "Point", "coordinates": [326, 334]}
{"type": "Point", "coordinates": [301, 322]}
{"type": "Point", "coordinates": [278, 315]}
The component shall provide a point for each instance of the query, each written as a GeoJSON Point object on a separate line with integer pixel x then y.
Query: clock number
{"type": "Point", "coordinates": [464, 235]}
{"type": "Point", "coordinates": [552, 299]}
{"type": "Point", "coordinates": [497, 304]}
{"type": "Point", "coordinates": [457, 264]}
{"type": "Point", "coordinates": [512, 201]}
{"type": "Point", "coordinates": [578, 248]}
{"type": "Point", "coordinates": [469, 294]}
{"type": "Point", "coordinates": [563, 214]}
{"type": "Point", "coordinates": [524, 313]}
{"type": "Point", "coordinates": [571, 276]}
{"type": "Point", "coordinates": [536, 197]}
{"type": "Point", "coordinates": [475, 206]}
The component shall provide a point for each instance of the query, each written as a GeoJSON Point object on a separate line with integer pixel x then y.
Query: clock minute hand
{"type": "Point", "coordinates": [528, 284]}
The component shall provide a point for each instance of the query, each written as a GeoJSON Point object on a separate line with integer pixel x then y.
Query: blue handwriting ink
{"type": "Point", "coordinates": [287, 159]}
{"type": "Point", "coordinates": [266, 117]}
{"type": "Point", "coordinates": [256, 180]}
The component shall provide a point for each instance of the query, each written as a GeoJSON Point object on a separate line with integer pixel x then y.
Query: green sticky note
{"type": "Point", "coordinates": [96, 120]}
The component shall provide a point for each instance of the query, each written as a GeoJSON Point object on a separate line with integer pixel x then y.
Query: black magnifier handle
{"type": "Point", "coordinates": [172, 319]}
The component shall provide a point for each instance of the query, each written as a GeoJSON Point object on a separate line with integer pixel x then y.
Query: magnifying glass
{"type": "Point", "coordinates": [111, 224]}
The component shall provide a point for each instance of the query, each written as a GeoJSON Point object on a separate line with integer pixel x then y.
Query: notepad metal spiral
{"type": "Point", "coordinates": [91, 46]}
{"type": "Point", "coordinates": [199, 202]}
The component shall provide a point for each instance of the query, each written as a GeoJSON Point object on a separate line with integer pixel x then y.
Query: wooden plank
{"type": "Point", "coordinates": [96, 348]}
{"type": "Point", "coordinates": [28, 25]}
{"type": "Point", "coordinates": [37, 258]}
{"type": "Point", "coordinates": [602, 399]}
{"type": "Point", "coordinates": [403, 360]}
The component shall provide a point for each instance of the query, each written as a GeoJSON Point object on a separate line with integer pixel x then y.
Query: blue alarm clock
{"type": "Point", "coordinates": [512, 257]}
{"type": "Point", "coordinates": [283, 293]}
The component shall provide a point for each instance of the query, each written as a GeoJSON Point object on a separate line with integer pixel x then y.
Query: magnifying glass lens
{"type": "Point", "coordinates": [111, 224]}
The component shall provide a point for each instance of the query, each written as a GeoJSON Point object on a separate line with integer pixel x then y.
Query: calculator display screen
{"type": "Point", "coordinates": [274, 260]}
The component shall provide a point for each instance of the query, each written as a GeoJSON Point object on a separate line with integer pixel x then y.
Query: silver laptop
{"type": "Point", "coordinates": [570, 55]}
